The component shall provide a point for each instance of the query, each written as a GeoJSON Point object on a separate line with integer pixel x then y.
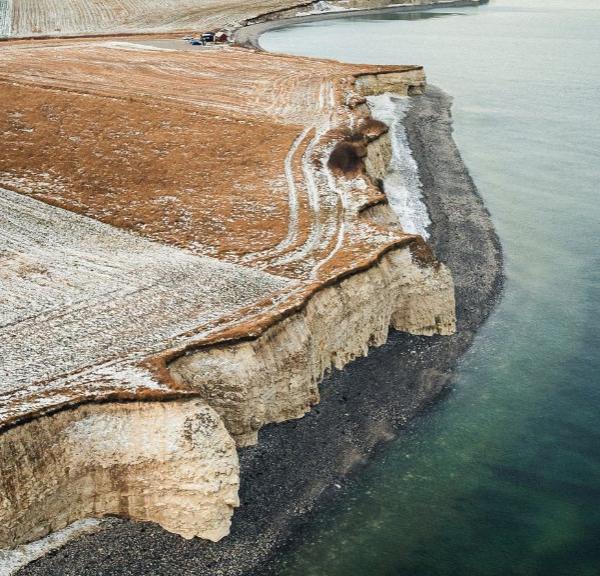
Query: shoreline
{"type": "Point", "coordinates": [305, 458]}
{"type": "Point", "coordinates": [248, 35]}
{"type": "Point", "coordinates": [271, 19]}
{"type": "Point", "coordinates": [287, 361]}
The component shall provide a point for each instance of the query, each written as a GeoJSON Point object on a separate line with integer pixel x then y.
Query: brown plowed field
{"type": "Point", "coordinates": [67, 17]}
{"type": "Point", "coordinates": [216, 160]}
{"type": "Point", "coordinates": [219, 152]}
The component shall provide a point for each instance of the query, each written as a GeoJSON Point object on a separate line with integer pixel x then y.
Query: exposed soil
{"type": "Point", "coordinates": [202, 153]}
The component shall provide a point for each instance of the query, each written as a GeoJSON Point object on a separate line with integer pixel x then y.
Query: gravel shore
{"type": "Point", "coordinates": [292, 474]}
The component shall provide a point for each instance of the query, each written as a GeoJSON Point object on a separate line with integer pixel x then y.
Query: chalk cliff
{"type": "Point", "coordinates": [275, 377]}
{"type": "Point", "coordinates": [169, 462]}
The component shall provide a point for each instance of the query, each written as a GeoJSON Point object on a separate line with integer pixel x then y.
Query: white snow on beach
{"type": "Point", "coordinates": [402, 185]}
{"type": "Point", "coordinates": [11, 561]}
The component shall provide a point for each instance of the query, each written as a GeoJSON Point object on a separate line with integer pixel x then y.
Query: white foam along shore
{"type": "Point", "coordinates": [402, 184]}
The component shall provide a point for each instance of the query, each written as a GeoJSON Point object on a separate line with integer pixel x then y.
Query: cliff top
{"type": "Point", "coordinates": [40, 17]}
{"type": "Point", "coordinates": [154, 200]}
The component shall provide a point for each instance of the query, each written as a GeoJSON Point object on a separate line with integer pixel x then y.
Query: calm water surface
{"type": "Point", "coordinates": [504, 477]}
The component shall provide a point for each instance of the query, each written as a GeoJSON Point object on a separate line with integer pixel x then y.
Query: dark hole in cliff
{"type": "Point", "coordinates": [372, 128]}
{"type": "Point", "coordinates": [356, 137]}
{"type": "Point", "coordinates": [345, 158]}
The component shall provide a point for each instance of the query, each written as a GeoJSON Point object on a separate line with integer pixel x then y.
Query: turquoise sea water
{"type": "Point", "coordinates": [503, 477]}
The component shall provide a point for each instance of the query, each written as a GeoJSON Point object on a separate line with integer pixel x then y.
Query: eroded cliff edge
{"type": "Point", "coordinates": [173, 462]}
{"type": "Point", "coordinates": [370, 401]}
{"type": "Point", "coordinates": [275, 377]}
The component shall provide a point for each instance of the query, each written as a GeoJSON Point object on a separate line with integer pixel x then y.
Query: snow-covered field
{"type": "Point", "coordinates": [5, 17]}
{"type": "Point", "coordinates": [83, 302]}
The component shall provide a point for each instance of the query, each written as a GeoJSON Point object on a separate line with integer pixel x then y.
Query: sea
{"type": "Point", "coordinates": [502, 477]}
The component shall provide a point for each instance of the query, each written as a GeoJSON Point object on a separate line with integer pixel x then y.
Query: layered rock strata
{"type": "Point", "coordinates": [168, 462]}
{"type": "Point", "coordinates": [368, 403]}
{"type": "Point", "coordinates": [275, 377]}
{"type": "Point", "coordinates": [409, 83]}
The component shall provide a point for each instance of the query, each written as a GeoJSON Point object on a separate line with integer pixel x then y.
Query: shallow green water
{"type": "Point", "coordinates": [504, 476]}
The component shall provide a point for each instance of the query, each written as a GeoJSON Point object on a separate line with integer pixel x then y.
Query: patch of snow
{"type": "Point", "coordinates": [402, 185]}
{"type": "Point", "coordinates": [6, 11]}
{"type": "Point", "coordinates": [81, 303]}
{"type": "Point", "coordinates": [13, 560]}
{"type": "Point", "coordinates": [323, 7]}
{"type": "Point", "coordinates": [134, 46]}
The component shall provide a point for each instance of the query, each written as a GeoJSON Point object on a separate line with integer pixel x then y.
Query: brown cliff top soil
{"type": "Point", "coordinates": [201, 151]}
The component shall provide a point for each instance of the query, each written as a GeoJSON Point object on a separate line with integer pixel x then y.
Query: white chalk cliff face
{"type": "Point", "coordinates": [175, 462]}
{"type": "Point", "coordinates": [275, 377]}
{"type": "Point", "coordinates": [169, 462]}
